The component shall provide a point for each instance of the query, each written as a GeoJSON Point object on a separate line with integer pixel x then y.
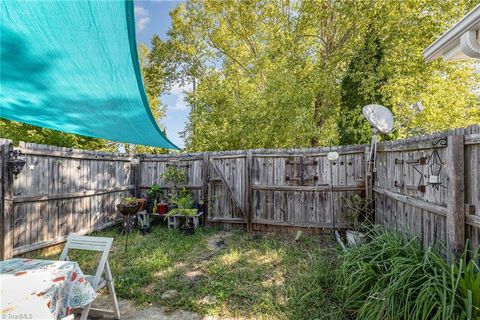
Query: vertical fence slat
{"type": "Point", "coordinates": [6, 219]}
{"type": "Point", "coordinates": [456, 194]}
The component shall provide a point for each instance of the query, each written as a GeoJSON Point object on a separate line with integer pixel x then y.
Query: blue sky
{"type": "Point", "coordinates": [151, 18]}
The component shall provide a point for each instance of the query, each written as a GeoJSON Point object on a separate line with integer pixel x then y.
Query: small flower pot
{"type": "Point", "coordinates": [142, 202]}
{"type": "Point", "coordinates": [162, 208]}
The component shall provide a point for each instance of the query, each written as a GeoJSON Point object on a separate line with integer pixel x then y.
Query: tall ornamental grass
{"type": "Point", "coordinates": [392, 278]}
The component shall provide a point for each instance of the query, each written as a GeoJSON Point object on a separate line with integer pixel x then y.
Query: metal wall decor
{"type": "Point", "coordinates": [299, 168]}
{"type": "Point", "coordinates": [435, 165]}
{"type": "Point", "coordinates": [15, 162]}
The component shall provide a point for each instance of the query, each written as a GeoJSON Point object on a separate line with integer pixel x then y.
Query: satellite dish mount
{"type": "Point", "coordinates": [381, 120]}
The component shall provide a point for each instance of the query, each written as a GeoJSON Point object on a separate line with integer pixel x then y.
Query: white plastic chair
{"type": "Point", "coordinates": [102, 244]}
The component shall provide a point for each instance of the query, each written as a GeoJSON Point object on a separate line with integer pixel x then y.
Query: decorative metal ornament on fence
{"type": "Point", "coordinates": [15, 162]}
{"type": "Point", "coordinates": [435, 165]}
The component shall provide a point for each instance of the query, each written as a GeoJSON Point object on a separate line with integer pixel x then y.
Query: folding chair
{"type": "Point", "coordinates": [102, 244]}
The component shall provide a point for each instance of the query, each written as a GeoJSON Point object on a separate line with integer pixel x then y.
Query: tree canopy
{"type": "Point", "coordinates": [285, 73]}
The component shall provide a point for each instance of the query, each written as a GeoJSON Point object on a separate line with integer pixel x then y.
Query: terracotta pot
{"type": "Point", "coordinates": [141, 201]}
{"type": "Point", "coordinates": [162, 208]}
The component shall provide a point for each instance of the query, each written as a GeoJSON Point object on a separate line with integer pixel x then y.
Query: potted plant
{"type": "Point", "coordinates": [185, 208]}
{"type": "Point", "coordinates": [128, 206]}
{"type": "Point", "coordinates": [152, 197]}
{"type": "Point", "coordinates": [175, 177]}
{"type": "Point", "coordinates": [142, 202]}
{"type": "Point", "coordinates": [162, 205]}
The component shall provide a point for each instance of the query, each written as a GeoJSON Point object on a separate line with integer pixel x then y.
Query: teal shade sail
{"type": "Point", "coordinates": [73, 66]}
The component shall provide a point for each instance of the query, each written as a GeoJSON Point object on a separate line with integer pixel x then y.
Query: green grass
{"type": "Point", "coordinates": [265, 277]}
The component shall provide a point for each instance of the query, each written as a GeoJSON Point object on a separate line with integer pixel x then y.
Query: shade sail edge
{"type": "Point", "coordinates": [80, 74]}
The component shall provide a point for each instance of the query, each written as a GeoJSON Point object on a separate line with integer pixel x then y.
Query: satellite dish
{"type": "Point", "coordinates": [381, 120]}
{"type": "Point", "coordinates": [379, 117]}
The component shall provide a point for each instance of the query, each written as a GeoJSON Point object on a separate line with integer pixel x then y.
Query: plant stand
{"type": "Point", "coordinates": [174, 221]}
{"type": "Point", "coordinates": [143, 220]}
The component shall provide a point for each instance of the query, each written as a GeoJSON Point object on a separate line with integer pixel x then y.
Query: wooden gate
{"type": "Point", "coordinates": [227, 189]}
{"type": "Point", "coordinates": [301, 188]}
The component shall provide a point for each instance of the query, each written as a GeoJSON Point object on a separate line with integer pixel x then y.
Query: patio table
{"type": "Point", "coordinates": [42, 289]}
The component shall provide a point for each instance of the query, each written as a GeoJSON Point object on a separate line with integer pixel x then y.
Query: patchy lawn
{"type": "Point", "coordinates": [224, 274]}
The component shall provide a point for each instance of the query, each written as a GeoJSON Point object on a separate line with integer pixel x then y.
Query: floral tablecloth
{"type": "Point", "coordinates": [42, 289]}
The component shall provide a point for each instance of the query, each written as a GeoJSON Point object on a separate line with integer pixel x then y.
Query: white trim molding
{"type": "Point", "coordinates": [462, 41]}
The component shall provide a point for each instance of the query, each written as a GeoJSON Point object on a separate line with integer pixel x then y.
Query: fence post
{"type": "Point", "coordinates": [6, 203]}
{"type": "Point", "coordinates": [205, 189]}
{"type": "Point", "coordinates": [456, 195]}
{"type": "Point", "coordinates": [137, 176]}
{"type": "Point", "coordinates": [248, 190]}
{"type": "Point", "coordinates": [369, 180]}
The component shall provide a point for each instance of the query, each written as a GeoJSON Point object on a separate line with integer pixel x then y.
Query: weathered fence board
{"type": "Point", "coordinates": [61, 191]}
{"type": "Point", "coordinates": [472, 184]}
{"type": "Point", "coordinates": [407, 201]}
{"type": "Point", "coordinates": [64, 190]}
{"type": "Point", "coordinates": [302, 188]}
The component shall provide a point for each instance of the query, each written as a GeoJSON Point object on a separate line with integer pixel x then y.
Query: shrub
{"type": "Point", "coordinates": [392, 278]}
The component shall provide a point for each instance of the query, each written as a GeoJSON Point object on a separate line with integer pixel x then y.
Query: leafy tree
{"type": "Point", "coordinates": [361, 86]}
{"type": "Point", "coordinates": [280, 73]}
{"type": "Point", "coordinates": [24, 132]}
{"type": "Point", "coordinates": [266, 71]}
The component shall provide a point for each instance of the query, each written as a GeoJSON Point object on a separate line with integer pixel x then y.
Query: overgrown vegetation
{"type": "Point", "coordinates": [280, 74]}
{"type": "Point", "coordinates": [267, 277]}
{"type": "Point", "coordinates": [393, 278]}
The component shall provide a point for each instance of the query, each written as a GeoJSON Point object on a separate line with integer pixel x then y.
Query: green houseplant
{"type": "Point", "coordinates": [185, 202]}
{"type": "Point", "coordinates": [175, 177]}
{"type": "Point", "coordinates": [152, 197]}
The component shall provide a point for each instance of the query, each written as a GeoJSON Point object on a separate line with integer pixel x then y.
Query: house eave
{"type": "Point", "coordinates": [451, 46]}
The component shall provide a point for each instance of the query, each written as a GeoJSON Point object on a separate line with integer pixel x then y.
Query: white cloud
{"type": "Point", "coordinates": [142, 18]}
{"type": "Point", "coordinates": [180, 93]}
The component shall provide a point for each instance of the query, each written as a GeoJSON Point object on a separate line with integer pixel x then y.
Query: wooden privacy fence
{"type": "Point", "coordinates": [59, 191]}
{"type": "Point", "coordinates": [428, 186]}
{"type": "Point", "coordinates": [258, 188]}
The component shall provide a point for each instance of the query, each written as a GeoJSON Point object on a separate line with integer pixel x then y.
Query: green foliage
{"type": "Point", "coordinates": [392, 278]}
{"type": "Point", "coordinates": [182, 212]}
{"type": "Point", "coordinates": [270, 74]}
{"type": "Point", "coordinates": [129, 201]}
{"type": "Point", "coordinates": [185, 200]}
{"type": "Point", "coordinates": [174, 175]}
{"type": "Point", "coordinates": [360, 86]}
{"type": "Point", "coordinates": [154, 192]}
